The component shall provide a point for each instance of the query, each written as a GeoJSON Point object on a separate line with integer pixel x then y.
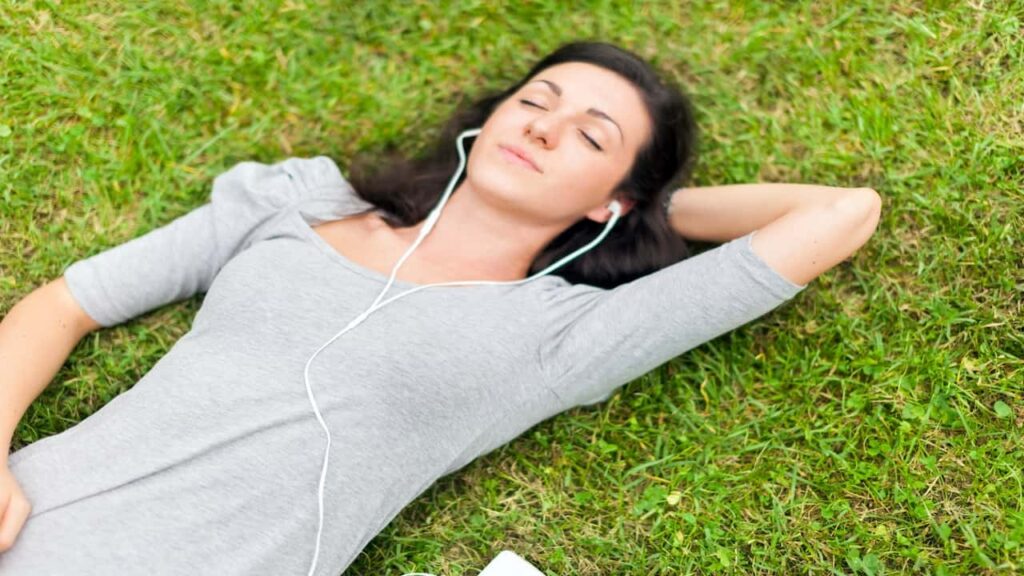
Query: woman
{"type": "Point", "coordinates": [212, 461]}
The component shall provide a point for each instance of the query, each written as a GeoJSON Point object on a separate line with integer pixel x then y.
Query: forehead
{"type": "Point", "coordinates": [588, 85]}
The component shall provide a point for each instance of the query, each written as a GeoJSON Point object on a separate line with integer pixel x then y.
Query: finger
{"type": "Point", "coordinates": [6, 495]}
{"type": "Point", "coordinates": [5, 498]}
{"type": "Point", "coordinates": [14, 520]}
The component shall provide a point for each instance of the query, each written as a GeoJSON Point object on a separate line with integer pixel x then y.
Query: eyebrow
{"type": "Point", "coordinates": [592, 111]}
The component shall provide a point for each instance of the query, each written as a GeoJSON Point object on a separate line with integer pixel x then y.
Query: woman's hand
{"type": "Point", "coordinates": [14, 508]}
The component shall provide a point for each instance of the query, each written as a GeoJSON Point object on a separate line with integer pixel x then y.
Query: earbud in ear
{"type": "Point", "coordinates": [615, 207]}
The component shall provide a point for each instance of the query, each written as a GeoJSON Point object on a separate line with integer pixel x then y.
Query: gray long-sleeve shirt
{"type": "Point", "coordinates": [211, 462]}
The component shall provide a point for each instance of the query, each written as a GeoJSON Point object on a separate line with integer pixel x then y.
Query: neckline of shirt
{"type": "Point", "coordinates": [324, 246]}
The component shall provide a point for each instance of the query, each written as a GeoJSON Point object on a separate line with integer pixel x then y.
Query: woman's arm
{"type": "Point", "coordinates": [802, 229]}
{"type": "Point", "coordinates": [36, 337]}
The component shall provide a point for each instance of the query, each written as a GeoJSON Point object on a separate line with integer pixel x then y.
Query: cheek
{"type": "Point", "coordinates": [590, 182]}
{"type": "Point", "coordinates": [589, 172]}
{"type": "Point", "coordinates": [504, 118]}
{"type": "Point", "coordinates": [578, 186]}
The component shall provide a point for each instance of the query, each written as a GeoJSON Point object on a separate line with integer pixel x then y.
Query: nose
{"type": "Point", "coordinates": [542, 131]}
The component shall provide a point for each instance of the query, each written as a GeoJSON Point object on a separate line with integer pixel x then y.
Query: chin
{"type": "Point", "coordinates": [495, 184]}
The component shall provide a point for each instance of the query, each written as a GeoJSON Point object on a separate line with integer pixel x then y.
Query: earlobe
{"type": "Point", "coordinates": [603, 213]}
{"type": "Point", "coordinates": [626, 205]}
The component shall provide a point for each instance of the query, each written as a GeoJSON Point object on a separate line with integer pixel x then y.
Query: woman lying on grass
{"type": "Point", "coordinates": [276, 437]}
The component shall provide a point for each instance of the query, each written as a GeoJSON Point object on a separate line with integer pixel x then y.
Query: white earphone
{"type": "Point", "coordinates": [614, 206]}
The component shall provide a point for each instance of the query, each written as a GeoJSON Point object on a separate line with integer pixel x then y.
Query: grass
{"type": "Point", "coordinates": [873, 425]}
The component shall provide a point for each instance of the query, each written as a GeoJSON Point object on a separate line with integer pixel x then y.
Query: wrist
{"type": "Point", "coordinates": [5, 448]}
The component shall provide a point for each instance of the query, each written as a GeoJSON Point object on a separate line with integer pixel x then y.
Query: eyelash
{"type": "Point", "coordinates": [589, 140]}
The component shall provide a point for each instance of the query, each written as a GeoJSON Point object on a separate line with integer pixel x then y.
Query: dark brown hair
{"type": "Point", "coordinates": [641, 242]}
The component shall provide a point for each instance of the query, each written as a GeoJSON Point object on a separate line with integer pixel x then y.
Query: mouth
{"type": "Point", "coordinates": [519, 156]}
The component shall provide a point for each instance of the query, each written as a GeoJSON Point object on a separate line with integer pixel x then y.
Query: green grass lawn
{"type": "Point", "coordinates": [872, 425]}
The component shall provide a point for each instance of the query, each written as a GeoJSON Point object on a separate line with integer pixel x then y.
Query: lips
{"type": "Point", "coordinates": [521, 155]}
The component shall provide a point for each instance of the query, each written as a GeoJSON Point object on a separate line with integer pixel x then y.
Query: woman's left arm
{"type": "Point", "coordinates": [802, 229]}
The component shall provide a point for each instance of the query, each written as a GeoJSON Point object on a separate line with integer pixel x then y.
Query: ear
{"type": "Point", "coordinates": [602, 214]}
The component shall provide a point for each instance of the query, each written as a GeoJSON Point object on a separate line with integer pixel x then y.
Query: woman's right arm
{"type": "Point", "coordinates": [36, 337]}
{"type": "Point", "coordinates": [164, 265]}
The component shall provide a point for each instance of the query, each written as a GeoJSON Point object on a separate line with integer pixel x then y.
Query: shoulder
{"type": "Point", "coordinates": [287, 181]}
{"type": "Point", "coordinates": [557, 296]}
{"type": "Point", "coordinates": [312, 173]}
{"type": "Point", "coordinates": [316, 173]}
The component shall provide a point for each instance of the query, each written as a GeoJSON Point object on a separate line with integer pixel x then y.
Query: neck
{"type": "Point", "coordinates": [475, 240]}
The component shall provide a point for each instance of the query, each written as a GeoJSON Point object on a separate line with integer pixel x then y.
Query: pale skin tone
{"type": "Point", "coordinates": [495, 224]}
{"type": "Point", "coordinates": [501, 216]}
{"type": "Point", "coordinates": [503, 213]}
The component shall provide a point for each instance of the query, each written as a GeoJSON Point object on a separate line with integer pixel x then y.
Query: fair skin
{"type": "Point", "coordinates": [501, 216]}
{"type": "Point", "coordinates": [494, 225]}
{"type": "Point", "coordinates": [503, 213]}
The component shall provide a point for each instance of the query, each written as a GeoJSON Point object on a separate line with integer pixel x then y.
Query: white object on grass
{"type": "Point", "coordinates": [508, 563]}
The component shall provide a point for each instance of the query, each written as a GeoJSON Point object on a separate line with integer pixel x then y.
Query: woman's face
{"type": "Point", "coordinates": [580, 124]}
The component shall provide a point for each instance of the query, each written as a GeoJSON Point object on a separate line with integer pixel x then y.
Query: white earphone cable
{"type": "Point", "coordinates": [431, 220]}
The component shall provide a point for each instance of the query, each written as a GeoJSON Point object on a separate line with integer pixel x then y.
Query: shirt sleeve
{"type": "Point", "coordinates": [181, 258]}
{"type": "Point", "coordinates": [602, 339]}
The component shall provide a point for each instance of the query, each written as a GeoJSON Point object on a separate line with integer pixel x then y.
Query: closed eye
{"type": "Point", "coordinates": [589, 140]}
